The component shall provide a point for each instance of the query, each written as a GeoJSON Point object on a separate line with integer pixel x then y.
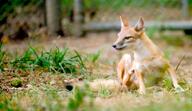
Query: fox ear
{"type": "Point", "coordinates": [124, 22]}
{"type": "Point", "coordinates": [139, 25]}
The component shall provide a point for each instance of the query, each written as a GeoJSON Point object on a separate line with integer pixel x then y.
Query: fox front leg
{"type": "Point", "coordinates": [120, 71]}
{"type": "Point", "coordinates": [126, 78]}
{"type": "Point", "coordinates": [140, 82]}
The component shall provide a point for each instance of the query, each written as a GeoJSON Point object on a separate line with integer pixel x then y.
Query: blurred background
{"type": "Point", "coordinates": [21, 19]}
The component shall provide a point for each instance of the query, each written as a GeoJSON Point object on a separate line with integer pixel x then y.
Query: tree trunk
{"type": "Point", "coordinates": [52, 16]}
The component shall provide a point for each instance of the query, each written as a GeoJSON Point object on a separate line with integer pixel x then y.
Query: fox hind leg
{"type": "Point", "coordinates": [172, 73]}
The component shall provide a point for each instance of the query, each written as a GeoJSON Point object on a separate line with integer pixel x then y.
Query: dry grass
{"type": "Point", "coordinates": [45, 90]}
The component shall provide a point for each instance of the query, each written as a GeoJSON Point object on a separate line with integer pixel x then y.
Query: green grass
{"type": "Point", "coordinates": [47, 98]}
{"type": "Point", "coordinates": [169, 106]}
{"type": "Point", "coordinates": [174, 41]}
{"type": "Point", "coordinates": [2, 55]}
{"type": "Point", "coordinates": [151, 31]}
{"type": "Point", "coordinates": [104, 92]}
{"type": "Point", "coordinates": [168, 52]}
{"type": "Point", "coordinates": [55, 60]}
{"type": "Point", "coordinates": [81, 99]}
{"type": "Point", "coordinates": [94, 57]}
{"type": "Point", "coordinates": [167, 83]}
{"type": "Point", "coordinates": [16, 82]}
{"type": "Point", "coordinates": [52, 65]}
{"type": "Point", "coordinates": [76, 100]}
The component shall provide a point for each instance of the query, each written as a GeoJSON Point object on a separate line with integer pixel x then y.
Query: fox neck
{"type": "Point", "coordinates": [145, 48]}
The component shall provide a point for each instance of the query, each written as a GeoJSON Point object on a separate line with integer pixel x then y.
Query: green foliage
{"type": "Point", "coordinates": [151, 31]}
{"type": "Point", "coordinates": [167, 83]}
{"type": "Point", "coordinates": [16, 82]}
{"type": "Point", "coordinates": [75, 102]}
{"type": "Point", "coordinates": [94, 56]}
{"type": "Point", "coordinates": [168, 53]}
{"type": "Point", "coordinates": [42, 60]}
{"type": "Point", "coordinates": [118, 4]}
{"type": "Point", "coordinates": [78, 98]}
{"type": "Point", "coordinates": [50, 100]}
{"type": "Point", "coordinates": [104, 92]}
{"type": "Point", "coordinates": [7, 104]}
{"type": "Point", "coordinates": [58, 60]}
{"type": "Point", "coordinates": [47, 97]}
{"type": "Point", "coordinates": [175, 41]}
{"type": "Point", "coordinates": [2, 54]}
{"type": "Point", "coordinates": [67, 5]}
{"type": "Point", "coordinates": [10, 5]}
{"type": "Point", "coordinates": [25, 61]}
{"type": "Point", "coordinates": [190, 3]}
{"type": "Point", "coordinates": [168, 106]}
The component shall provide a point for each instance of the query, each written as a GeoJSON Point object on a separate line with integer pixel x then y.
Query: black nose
{"type": "Point", "coordinates": [114, 46]}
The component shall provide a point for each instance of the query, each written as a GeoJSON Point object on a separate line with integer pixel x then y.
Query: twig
{"type": "Point", "coordinates": [179, 63]}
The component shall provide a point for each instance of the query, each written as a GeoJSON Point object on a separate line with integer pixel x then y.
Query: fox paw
{"type": "Point", "coordinates": [142, 92]}
{"type": "Point", "coordinates": [179, 89]}
{"type": "Point", "coordinates": [123, 88]}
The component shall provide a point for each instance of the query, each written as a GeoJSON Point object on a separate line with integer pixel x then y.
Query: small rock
{"type": "Point", "coordinates": [52, 82]}
{"type": "Point", "coordinates": [29, 86]}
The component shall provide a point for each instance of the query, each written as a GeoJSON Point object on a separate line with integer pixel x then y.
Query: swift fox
{"type": "Point", "coordinates": [145, 52]}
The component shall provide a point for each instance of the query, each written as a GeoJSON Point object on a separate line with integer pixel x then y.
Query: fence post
{"type": "Point", "coordinates": [185, 8]}
{"type": "Point", "coordinates": [52, 16]}
{"type": "Point", "coordinates": [78, 18]}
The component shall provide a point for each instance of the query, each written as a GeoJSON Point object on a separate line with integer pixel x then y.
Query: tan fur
{"type": "Point", "coordinates": [129, 73]}
{"type": "Point", "coordinates": [146, 54]}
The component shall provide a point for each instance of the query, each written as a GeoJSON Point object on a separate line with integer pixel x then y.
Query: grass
{"type": "Point", "coordinates": [151, 31]}
{"type": "Point", "coordinates": [76, 100]}
{"type": "Point", "coordinates": [55, 60]}
{"type": "Point", "coordinates": [16, 82]}
{"type": "Point", "coordinates": [104, 92]}
{"type": "Point", "coordinates": [161, 107]}
{"type": "Point", "coordinates": [42, 73]}
{"type": "Point", "coordinates": [2, 55]}
{"type": "Point", "coordinates": [174, 41]}
{"type": "Point", "coordinates": [168, 52]}
{"type": "Point", "coordinates": [167, 83]}
{"type": "Point", "coordinates": [94, 57]}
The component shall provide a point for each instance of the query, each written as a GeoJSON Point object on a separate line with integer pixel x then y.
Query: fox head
{"type": "Point", "coordinates": [128, 35]}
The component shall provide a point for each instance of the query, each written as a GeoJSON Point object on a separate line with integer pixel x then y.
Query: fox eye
{"type": "Point", "coordinates": [128, 37]}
